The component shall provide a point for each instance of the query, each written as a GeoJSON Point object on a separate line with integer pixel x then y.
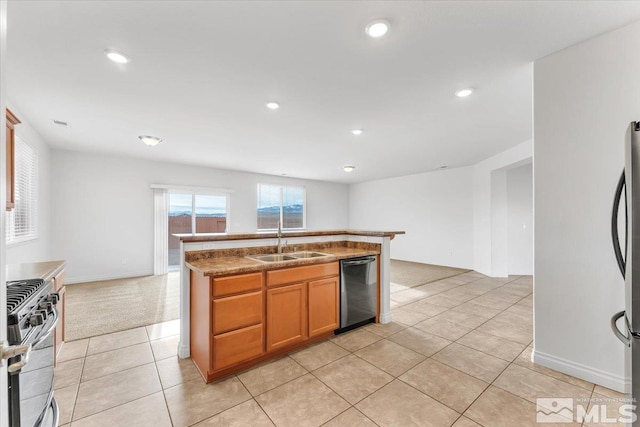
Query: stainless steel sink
{"type": "Point", "coordinates": [307, 254]}
{"type": "Point", "coordinates": [272, 258]}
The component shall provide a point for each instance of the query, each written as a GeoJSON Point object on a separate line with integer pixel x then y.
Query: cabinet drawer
{"type": "Point", "coordinates": [301, 274]}
{"type": "Point", "coordinates": [237, 346]}
{"type": "Point", "coordinates": [237, 312]}
{"type": "Point", "coordinates": [237, 284]}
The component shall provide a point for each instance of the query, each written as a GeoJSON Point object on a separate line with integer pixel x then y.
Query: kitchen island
{"type": "Point", "coordinates": [205, 258]}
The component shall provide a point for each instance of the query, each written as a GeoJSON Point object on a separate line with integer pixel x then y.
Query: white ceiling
{"type": "Point", "coordinates": [201, 73]}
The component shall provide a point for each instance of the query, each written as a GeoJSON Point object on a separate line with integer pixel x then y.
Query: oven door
{"type": "Point", "coordinates": [35, 381]}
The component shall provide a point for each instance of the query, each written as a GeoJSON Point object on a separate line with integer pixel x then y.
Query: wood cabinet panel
{"type": "Point", "coordinates": [58, 280]}
{"type": "Point", "coordinates": [58, 333]}
{"type": "Point", "coordinates": [286, 315]}
{"type": "Point", "coordinates": [237, 284]}
{"type": "Point", "coordinates": [300, 274]}
{"type": "Point", "coordinates": [12, 121]}
{"type": "Point", "coordinates": [237, 346]}
{"type": "Point", "coordinates": [200, 321]}
{"type": "Point", "coordinates": [237, 312]}
{"type": "Point", "coordinates": [324, 306]}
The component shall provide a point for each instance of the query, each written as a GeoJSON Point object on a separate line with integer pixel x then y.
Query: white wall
{"type": "Point", "coordinates": [40, 248]}
{"type": "Point", "coordinates": [434, 208]}
{"type": "Point", "coordinates": [102, 209]}
{"type": "Point", "coordinates": [490, 251]}
{"type": "Point", "coordinates": [585, 97]}
{"type": "Point", "coordinates": [520, 219]}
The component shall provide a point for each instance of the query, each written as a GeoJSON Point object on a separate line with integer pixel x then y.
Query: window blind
{"type": "Point", "coordinates": [22, 221]}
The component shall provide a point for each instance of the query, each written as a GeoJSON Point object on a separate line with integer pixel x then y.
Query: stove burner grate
{"type": "Point", "coordinates": [20, 291]}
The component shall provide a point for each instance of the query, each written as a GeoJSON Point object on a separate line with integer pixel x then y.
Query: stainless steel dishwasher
{"type": "Point", "coordinates": [358, 292]}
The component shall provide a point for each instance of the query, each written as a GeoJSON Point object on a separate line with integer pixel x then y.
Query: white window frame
{"type": "Point", "coordinates": [282, 186]}
{"type": "Point", "coordinates": [32, 233]}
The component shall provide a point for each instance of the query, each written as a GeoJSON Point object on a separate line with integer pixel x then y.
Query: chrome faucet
{"type": "Point", "coordinates": [279, 238]}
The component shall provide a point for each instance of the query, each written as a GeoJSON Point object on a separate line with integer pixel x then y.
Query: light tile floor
{"type": "Point", "coordinates": [457, 354]}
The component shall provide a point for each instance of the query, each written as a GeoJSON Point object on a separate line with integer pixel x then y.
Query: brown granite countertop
{"type": "Point", "coordinates": [220, 266]}
{"type": "Point", "coordinates": [243, 236]}
{"type": "Point", "coordinates": [34, 270]}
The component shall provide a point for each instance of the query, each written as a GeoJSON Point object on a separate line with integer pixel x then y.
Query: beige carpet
{"type": "Point", "coordinates": [410, 274]}
{"type": "Point", "coordinates": [98, 308]}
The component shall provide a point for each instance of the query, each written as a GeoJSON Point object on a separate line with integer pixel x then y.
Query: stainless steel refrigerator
{"type": "Point", "coordinates": [628, 258]}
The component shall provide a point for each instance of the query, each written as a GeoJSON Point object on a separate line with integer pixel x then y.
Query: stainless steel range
{"type": "Point", "coordinates": [32, 318]}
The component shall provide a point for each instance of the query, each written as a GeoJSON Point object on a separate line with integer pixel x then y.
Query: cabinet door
{"type": "Point", "coordinates": [286, 315]}
{"type": "Point", "coordinates": [324, 306]}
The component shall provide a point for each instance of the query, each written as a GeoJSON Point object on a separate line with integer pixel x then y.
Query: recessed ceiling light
{"type": "Point", "coordinates": [348, 168]}
{"type": "Point", "coordinates": [357, 131]}
{"type": "Point", "coordinates": [378, 28]}
{"type": "Point", "coordinates": [118, 57]}
{"type": "Point", "coordinates": [273, 105]}
{"type": "Point", "coordinates": [462, 93]}
{"type": "Point", "coordinates": [150, 140]}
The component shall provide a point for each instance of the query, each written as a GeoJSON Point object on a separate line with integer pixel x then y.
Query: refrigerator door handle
{"type": "Point", "coordinates": [614, 225]}
{"type": "Point", "coordinates": [614, 327]}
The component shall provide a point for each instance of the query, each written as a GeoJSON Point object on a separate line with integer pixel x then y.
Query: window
{"type": "Point", "coordinates": [281, 203]}
{"type": "Point", "coordinates": [22, 221]}
{"type": "Point", "coordinates": [194, 213]}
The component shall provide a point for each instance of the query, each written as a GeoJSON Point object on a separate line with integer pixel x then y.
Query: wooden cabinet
{"type": "Point", "coordinates": [226, 321]}
{"type": "Point", "coordinates": [238, 321]}
{"type": "Point", "coordinates": [236, 284]}
{"type": "Point", "coordinates": [324, 306]}
{"type": "Point", "coordinates": [314, 310]}
{"type": "Point", "coordinates": [58, 286]}
{"type": "Point", "coordinates": [237, 312]}
{"type": "Point", "coordinates": [286, 315]}
{"type": "Point", "coordinates": [237, 346]}
{"type": "Point", "coordinates": [12, 121]}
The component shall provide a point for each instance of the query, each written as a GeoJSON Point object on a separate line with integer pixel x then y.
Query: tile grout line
{"type": "Point", "coordinates": [155, 364]}
{"type": "Point", "coordinates": [106, 409]}
{"type": "Point", "coordinates": [506, 367]}
{"type": "Point", "coordinates": [75, 401]}
{"type": "Point", "coordinates": [126, 369]}
{"type": "Point", "coordinates": [80, 382]}
{"type": "Point", "coordinates": [236, 405]}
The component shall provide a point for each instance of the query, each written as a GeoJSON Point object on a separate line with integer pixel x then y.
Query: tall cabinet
{"type": "Point", "coordinates": [12, 121]}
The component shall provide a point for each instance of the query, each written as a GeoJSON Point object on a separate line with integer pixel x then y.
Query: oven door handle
{"type": "Point", "coordinates": [43, 335]}
{"type": "Point", "coordinates": [56, 415]}
{"type": "Point", "coordinates": [16, 350]}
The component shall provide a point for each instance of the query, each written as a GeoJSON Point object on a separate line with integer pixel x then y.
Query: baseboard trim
{"type": "Point", "coordinates": [70, 280]}
{"type": "Point", "coordinates": [578, 370]}
{"type": "Point", "coordinates": [385, 318]}
{"type": "Point", "coordinates": [184, 352]}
